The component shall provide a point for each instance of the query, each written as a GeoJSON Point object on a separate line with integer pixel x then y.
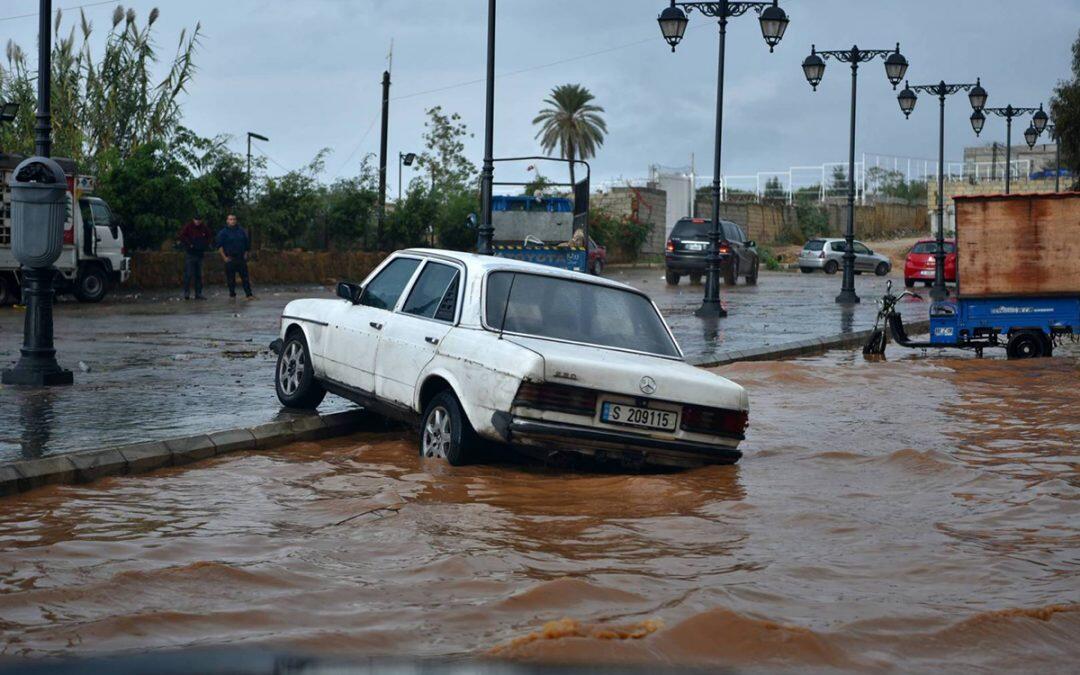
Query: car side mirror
{"type": "Point", "coordinates": [350, 292]}
{"type": "Point", "coordinates": [751, 244]}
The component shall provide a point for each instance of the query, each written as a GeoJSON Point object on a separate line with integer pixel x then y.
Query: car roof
{"type": "Point", "coordinates": [932, 241]}
{"type": "Point", "coordinates": [480, 264]}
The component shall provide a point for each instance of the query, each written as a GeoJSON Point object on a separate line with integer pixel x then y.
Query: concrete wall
{"type": "Point", "coordinates": [649, 205]}
{"type": "Point", "coordinates": [161, 269]}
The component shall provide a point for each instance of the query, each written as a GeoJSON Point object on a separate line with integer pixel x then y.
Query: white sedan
{"type": "Point", "coordinates": [473, 348]}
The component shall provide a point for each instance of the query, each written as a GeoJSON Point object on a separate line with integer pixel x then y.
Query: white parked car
{"type": "Point", "coordinates": [471, 348]}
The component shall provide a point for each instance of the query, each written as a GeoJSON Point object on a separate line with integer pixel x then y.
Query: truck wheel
{"type": "Point", "coordinates": [9, 291]}
{"type": "Point", "coordinates": [1026, 345]}
{"type": "Point", "coordinates": [751, 278]}
{"type": "Point", "coordinates": [445, 431]}
{"type": "Point", "coordinates": [91, 284]}
{"type": "Point", "coordinates": [295, 381]}
{"type": "Point", "coordinates": [882, 269]}
{"type": "Point", "coordinates": [671, 278]}
{"type": "Point", "coordinates": [831, 267]}
{"type": "Point", "coordinates": [731, 274]}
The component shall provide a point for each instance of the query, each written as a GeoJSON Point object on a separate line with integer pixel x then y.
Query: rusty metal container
{"type": "Point", "coordinates": [1018, 245]}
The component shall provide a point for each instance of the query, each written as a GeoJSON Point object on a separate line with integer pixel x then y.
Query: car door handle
{"type": "Point", "coordinates": [375, 325]}
{"type": "Point", "coordinates": [432, 340]}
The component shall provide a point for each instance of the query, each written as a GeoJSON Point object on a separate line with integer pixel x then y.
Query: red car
{"type": "Point", "coordinates": [597, 258]}
{"type": "Point", "coordinates": [919, 265]}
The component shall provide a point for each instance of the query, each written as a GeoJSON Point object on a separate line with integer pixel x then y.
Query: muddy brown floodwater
{"type": "Point", "coordinates": [919, 514]}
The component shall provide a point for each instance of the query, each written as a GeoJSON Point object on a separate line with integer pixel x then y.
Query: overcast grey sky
{"type": "Point", "coordinates": [306, 73]}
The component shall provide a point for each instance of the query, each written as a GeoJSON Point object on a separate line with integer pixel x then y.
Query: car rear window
{"type": "Point", "coordinates": [814, 245]}
{"type": "Point", "coordinates": [931, 247]}
{"type": "Point", "coordinates": [577, 311]}
{"type": "Point", "coordinates": [688, 229]}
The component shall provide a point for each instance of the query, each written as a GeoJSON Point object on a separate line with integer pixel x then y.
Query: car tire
{"type": "Point", "coordinates": [671, 278]}
{"type": "Point", "coordinates": [1026, 344]}
{"type": "Point", "coordinates": [445, 431]}
{"type": "Point", "coordinates": [831, 266]}
{"type": "Point", "coordinates": [909, 283]}
{"type": "Point", "coordinates": [695, 279]}
{"type": "Point", "coordinates": [806, 270]}
{"type": "Point", "coordinates": [294, 376]}
{"type": "Point", "coordinates": [9, 291]}
{"type": "Point", "coordinates": [91, 284]}
{"type": "Point", "coordinates": [751, 277]}
{"type": "Point", "coordinates": [882, 269]}
{"type": "Point", "coordinates": [731, 274]}
{"type": "Point", "coordinates": [598, 269]}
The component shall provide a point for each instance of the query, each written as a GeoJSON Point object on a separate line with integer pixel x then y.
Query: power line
{"type": "Point", "coordinates": [279, 164]}
{"type": "Point", "coordinates": [59, 9]}
{"type": "Point", "coordinates": [357, 148]}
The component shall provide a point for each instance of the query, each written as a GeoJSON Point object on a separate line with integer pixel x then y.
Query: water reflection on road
{"type": "Point", "coordinates": [918, 513]}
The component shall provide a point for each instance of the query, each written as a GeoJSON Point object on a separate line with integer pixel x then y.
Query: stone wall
{"type": "Point", "coordinates": [954, 188]}
{"type": "Point", "coordinates": [649, 205]}
{"type": "Point", "coordinates": [161, 269]}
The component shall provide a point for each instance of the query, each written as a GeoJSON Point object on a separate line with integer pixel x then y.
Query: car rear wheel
{"type": "Point", "coordinates": [295, 382]}
{"type": "Point", "coordinates": [91, 284]}
{"type": "Point", "coordinates": [910, 283]}
{"type": "Point", "coordinates": [882, 269]}
{"type": "Point", "coordinates": [831, 267]}
{"type": "Point", "coordinates": [731, 274]}
{"type": "Point", "coordinates": [1027, 345]}
{"type": "Point", "coordinates": [671, 278]}
{"type": "Point", "coordinates": [445, 431]}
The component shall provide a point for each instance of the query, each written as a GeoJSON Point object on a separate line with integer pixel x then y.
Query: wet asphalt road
{"type": "Point", "coordinates": [160, 367]}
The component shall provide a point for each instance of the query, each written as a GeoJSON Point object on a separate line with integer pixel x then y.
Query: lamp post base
{"type": "Point", "coordinates": [847, 298]}
{"type": "Point", "coordinates": [710, 309]}
{"type": "Point", "coordinates": [37, 377]}
{"type": "Point", "coordinates": [938, 292]}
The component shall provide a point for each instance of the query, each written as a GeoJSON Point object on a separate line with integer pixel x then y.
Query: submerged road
{"type": "Point", "coordinates": [917, 514]}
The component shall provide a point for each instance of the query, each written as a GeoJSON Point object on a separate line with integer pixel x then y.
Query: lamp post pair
{"type": "Point", "coordinates": [673, 21]}
{"type": "Point", "coordinates": [907, 98]}
{"type": "Point", "coordinates": [814, 69]}
{"type": "Point", "coordinates": [1039, 120]}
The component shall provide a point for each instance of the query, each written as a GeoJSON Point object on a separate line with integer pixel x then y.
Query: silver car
{"type": "Point", "coordinates": [827, 254]}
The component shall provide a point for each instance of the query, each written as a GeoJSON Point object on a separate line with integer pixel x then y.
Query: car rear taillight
{"type": "Point", "coordinates": [821, 255]}
{"type": "Point", "coordinates": [724, 248]}
{"type": "Point", "coordinates": [123, 251]}
{"type": "Point", "coordinates": [69, 236]}
{"type": "Point", "coordinates": [670, 244]}
{"type": "Point", "coordinates": [717, 421]}
{"type": "Point", "coordinates": [556, 397]}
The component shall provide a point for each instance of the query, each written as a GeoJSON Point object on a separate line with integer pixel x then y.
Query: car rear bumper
{"type": "Point", "coordinates": [628, 448]}
{"type": "Point", "coordinates": [812, 263]}
{"type": "Point", "coordinates": [684, 264]}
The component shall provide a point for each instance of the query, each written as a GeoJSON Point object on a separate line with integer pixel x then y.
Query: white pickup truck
{"type": "Point", "coordinates": [470, 347]}
{"type": "Point", "coordinates": [93, 254]}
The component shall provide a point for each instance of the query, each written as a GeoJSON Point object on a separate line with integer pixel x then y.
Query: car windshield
{"type": "Point", "coordinates": [566, 309]}
{"type": "Point", "coordinates": [688, 229]}
{"type": "Point", "coordinates": [814, 245]}
{"type": "Point", "coordinates": [931, 247]}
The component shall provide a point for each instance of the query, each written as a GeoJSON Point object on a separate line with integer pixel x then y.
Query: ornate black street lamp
{"type": "Point", "coordinates": [673, 21]}
{"type": "Point", "coordinates": [978, 119]}
{"type": "Point", "coordinates": [814, 69]}
{"type": "Point", "coordinates": [486, 231]}
{"type": "Point", "coordinates": [907, 98]}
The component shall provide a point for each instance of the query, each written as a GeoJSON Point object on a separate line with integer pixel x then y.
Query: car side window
{"type": "Point", "coordinates": [861, 248]}
{"type": "Point", "coordinates": [383, 291]}
{"type": "Point", "coordinates": [838, 246]}
{"type": "Point", "coordinates": [434, 295]}
{"type": "Point", "coordinates": [739, 231]}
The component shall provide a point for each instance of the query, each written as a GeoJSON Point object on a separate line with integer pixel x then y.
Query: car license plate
{"type": "Point", "coordinates": [695, 247]}
{"type": "Point", "coordinates": [633, 416]}
{"type": "Point", "coordinates": [927, 273]}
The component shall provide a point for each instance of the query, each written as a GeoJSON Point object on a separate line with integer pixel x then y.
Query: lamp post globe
{"type": "Point", "coordinates": [1039, 120]}
{"type": "Point", "coordinates": [977, 96]}
{"type": "Point", "coordinates": [673, 24]}
{"type": "Point", "coordinates": [907, 99]}
{"type": "Point", "coordinates": [813, 67]}
{"type": "Point", "coordinates": [1031, 135]}
{"type": "Point", "coordinates": [896, 67]}
{"type": "Point", "coordinates": [978, 119]}
{"type": "Point", "coordinates": [774, 21]}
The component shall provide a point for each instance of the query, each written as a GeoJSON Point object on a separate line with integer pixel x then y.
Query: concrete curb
{"type": "Point", "coordinates": [90, 465]}
{"type": "Point", "coordinates": [801, 347]}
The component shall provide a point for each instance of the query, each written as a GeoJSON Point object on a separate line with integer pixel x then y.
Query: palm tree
{"type": "Point", "coordinates": [571, 123]}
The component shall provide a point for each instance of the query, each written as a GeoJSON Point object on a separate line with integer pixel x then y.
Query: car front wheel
{"type": "Point", "coordinates": [295, 382]}
{"type": "Point", "coordinates": [751, 277]}
{"type": "Point", "coordinates": [445, 431]}
{"type": "Point", "coordinates": [91, 284]}
{"type": "Point", "coordinates": [882, 269]}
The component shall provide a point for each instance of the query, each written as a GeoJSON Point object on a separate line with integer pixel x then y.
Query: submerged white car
{"type": "Point", "coordinates": [474, 348]}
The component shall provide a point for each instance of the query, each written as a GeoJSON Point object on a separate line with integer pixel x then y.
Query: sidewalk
{"type": "Point", "coordinates": [157, 367]}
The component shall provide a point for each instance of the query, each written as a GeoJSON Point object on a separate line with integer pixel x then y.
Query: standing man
{"type": "Point", "coordinates": [233, 245]}
{"type": "Point", "coordinates": [196, 239]}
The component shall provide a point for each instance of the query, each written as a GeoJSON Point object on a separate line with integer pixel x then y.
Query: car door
{"type": "Point", "coordinates": [864, 258]}
{"type": "Point", "coordinates": [352, 338]}
{"type": "Point", "coordinates": [412, 335]}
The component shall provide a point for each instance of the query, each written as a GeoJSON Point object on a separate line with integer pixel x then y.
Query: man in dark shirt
{"type": "Point", "coordinates": [196, 239]}
{"type": "Point", "coordinates": [233, 245]}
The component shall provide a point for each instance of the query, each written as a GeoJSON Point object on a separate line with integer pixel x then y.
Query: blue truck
{"type": "Point", "coordinates": [538, 230]}
{"type": "Point", "coordinates": [1018, 275]}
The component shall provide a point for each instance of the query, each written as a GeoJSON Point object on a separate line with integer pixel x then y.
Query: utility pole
{"type": "Point", "coordinates": [382, 157]}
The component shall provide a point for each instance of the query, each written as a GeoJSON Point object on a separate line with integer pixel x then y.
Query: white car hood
{"type": "Point", "coordinates": [622, 372]}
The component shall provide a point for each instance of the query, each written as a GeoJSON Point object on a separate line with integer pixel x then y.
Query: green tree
{"type": "Point", "coordinates": [774, 191]}
{"type": "Point", "coordinates": [1065, 111]}
{"type": "Point", "coordinates": [444, 156]}
{"type": "Point", "coordinates": [289, 206]}
{"type": "Point", "coordinates": [571, 123]}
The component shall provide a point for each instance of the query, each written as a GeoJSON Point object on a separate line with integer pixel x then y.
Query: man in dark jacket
{"type": "Point", "coordinates": [196, 239]}
{"type": "Point", "coordinates": [233, 245]}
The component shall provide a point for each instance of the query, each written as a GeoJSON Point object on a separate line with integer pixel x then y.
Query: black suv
{"type": "Point", "coordinates": [688, 249]}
